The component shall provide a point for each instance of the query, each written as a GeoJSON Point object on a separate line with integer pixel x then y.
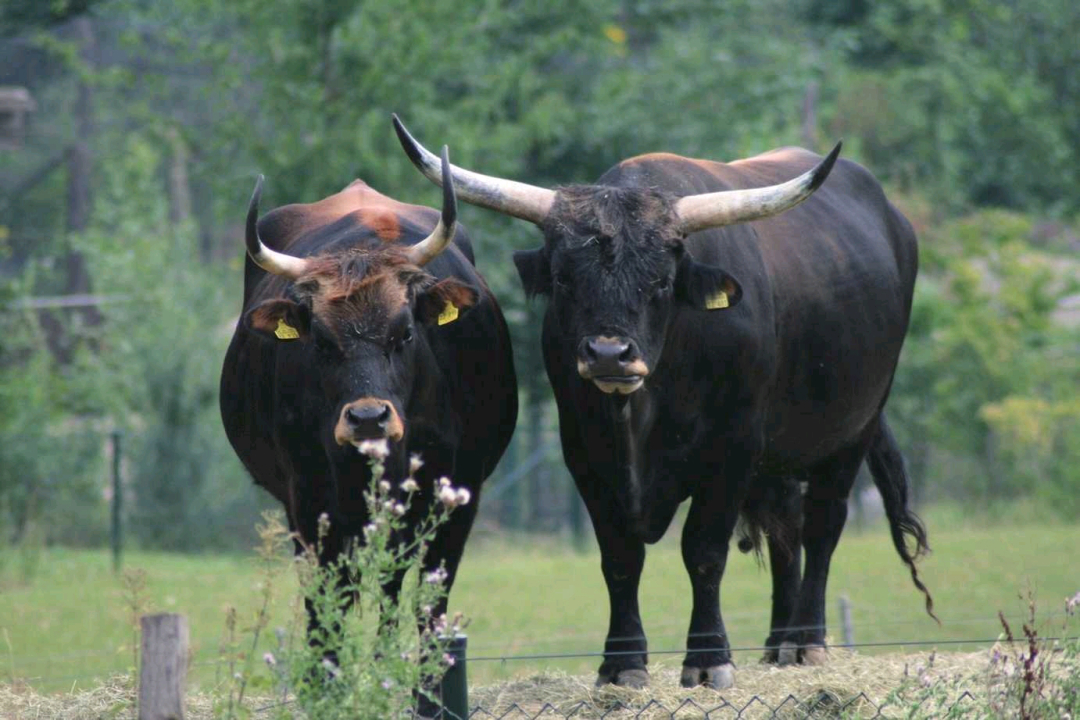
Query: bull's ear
{"type": "Point", "coordinates": [445, 302]}
{"type": "Point", "coordinates": [535, 271]}
{"type": "Point", "coordinates": [706, 287]}
{"type": "Point", "coordinates": [279, 319]}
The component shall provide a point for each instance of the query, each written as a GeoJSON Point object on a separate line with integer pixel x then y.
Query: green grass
{"type": "Point", "coordinates": [70, 624]}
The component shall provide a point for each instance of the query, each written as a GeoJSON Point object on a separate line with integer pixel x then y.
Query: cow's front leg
{"type": "Point", "coordinates": [622, 557]}
{"type": "Point", "coordinates": [705, 540]}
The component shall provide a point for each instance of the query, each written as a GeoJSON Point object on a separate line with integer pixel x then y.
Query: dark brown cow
{"type": "Point", "coordinates": [360, 322]}
{"type": "Point", "coordinates": [711, 336]}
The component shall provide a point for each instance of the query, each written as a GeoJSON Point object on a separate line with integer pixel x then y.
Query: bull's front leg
{"type": "Point", "coordinates": [622, 557]}
{"type": "Point", "coordinates": [705, 539]}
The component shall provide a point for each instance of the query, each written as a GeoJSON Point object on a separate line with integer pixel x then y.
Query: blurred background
{"type": "Point", "coordinates": [131, 132]}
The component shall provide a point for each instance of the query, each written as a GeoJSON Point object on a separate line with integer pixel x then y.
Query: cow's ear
{"type": "Point", "coordinates": [279, 319]}
{"type": "Point", "coordinates": [706, 287]}
{"type": "Point", "coordinates": [445, 302]}
{"type": "Point", "coordinates": [534, 268]}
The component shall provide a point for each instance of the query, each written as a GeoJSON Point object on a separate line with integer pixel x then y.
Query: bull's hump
{"type": "Point", "coordinates": [358, 200]}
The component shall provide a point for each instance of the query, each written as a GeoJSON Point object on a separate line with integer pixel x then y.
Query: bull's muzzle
{"type": "Point", "coordinates": [613, 364]}
{"type": "Point", "coordinates": [368, 419]}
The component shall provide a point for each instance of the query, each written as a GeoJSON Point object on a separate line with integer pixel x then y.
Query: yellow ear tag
{"type": "Point", "coordinates": [718, 301]}
{"type": "Point", "coordinates": [449, 313]}
{"type": "Point", "coordinates": [284, 331]}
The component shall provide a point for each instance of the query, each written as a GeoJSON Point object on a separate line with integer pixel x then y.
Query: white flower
{"type": "Point", "coordinates": [448, 496]}
{"type": "Point", "coordinates": [415, 463]}
{"type": "Point", "coordinates": [269, 659]}
{"type": "Point", "coordinates": [398, 509]}
{"type": "Point", "coordinates": [437, 575]}
{"type": "Point", "coordinates": [387, 684]}
{"type": "Point", "coordinates": [384, 486]}
{"type": "Point", "coordinates": [410, 486]}
{"type": "Point", "coordinates": [375, 449]}
{"type": "Point", "coordinates": [463, 496]}
{"type": "Point", "coordinates": [448, 659]}
{"type": "Point", "coordinates": [444, 482]}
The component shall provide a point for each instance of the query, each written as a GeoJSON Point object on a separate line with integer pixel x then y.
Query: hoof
{"type": "Point", "coordinates": [636, 678]}
{"type": "Point", "coordinates": [717, 677]}
{"type": "Point", "coordinates": [789, 653]}
{"type": "Point", "coordinates": [815, 655]}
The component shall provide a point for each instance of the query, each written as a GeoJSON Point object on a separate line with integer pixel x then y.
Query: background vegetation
{"type": "Point", "coordinates": [121, 204]}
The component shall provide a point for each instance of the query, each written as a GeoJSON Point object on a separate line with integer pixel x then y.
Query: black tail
{"type": "Point", "coordinates": [890, 477]}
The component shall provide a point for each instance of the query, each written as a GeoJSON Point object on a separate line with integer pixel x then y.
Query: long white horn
{"type": "Point", "coordinates": [427, 249]}
{"type": "Point", "coordinates": [520, 200]}
{"type": "Point", "coordinates": [708, 210]}
{"type": "Point", "coordinates": [269, 260]}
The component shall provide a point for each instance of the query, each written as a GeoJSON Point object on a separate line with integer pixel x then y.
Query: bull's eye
{"type": "Point", "coordinates": [661, 288]}
{"type": "Point", "coordinates": [404, 339]}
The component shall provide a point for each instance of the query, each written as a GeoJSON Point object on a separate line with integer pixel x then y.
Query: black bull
{"type": "Point", "coordinates": [369, 353]}
{"type": "Point", "coordinates": [743, 365]}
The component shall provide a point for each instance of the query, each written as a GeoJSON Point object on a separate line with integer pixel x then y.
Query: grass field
{"type": "Point", "coordinates": [69, 624]}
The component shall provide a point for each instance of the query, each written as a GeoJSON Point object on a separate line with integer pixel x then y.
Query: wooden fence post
{"type": "Point", "coordinates": [163, 668]}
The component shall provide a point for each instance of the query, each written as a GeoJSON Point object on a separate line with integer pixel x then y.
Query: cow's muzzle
{"type": "Point", "coordinates": [613, 364]}
{"type": "Point", "coordinates": [368, 419]}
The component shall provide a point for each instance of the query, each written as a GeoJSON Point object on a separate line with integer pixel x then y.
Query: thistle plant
{"type": "Point", "coordinates": [372, 650]}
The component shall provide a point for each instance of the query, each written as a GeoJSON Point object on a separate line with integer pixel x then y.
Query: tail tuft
{"type": "Point", "coordinates": [890, 477]}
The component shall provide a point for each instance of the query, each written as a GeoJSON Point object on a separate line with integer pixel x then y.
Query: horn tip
{"type": "Point", "coordinates": [408, 143]}
{"type": "Point", "coordinates": [825, 167]}
{"type": "Point", "coordinates": [449, 208]}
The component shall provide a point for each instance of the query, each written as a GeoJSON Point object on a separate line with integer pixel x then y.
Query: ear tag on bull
{"type": "Point", "coordinates": [285, 331]}
{"type": "Point", "coordinates": [718, 301]}
{"type": "Point", "coordinates": [449, 313]}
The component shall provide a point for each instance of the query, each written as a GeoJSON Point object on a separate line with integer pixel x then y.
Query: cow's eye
{"type": "Point", "coordinates": [563, 281]}
{"type": "Point", "coordinates": [661, 287]}
{"type": "Point", "coordinates": [404, 339]}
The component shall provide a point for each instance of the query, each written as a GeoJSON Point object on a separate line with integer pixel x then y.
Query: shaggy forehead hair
{"type": "Point", "coordinates": [359, 288]}
{"type": "Point", "coordinates": [623, 221]}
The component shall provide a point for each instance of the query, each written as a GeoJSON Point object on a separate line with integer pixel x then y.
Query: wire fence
{"type": "Point", "coordinates": [821, 705]}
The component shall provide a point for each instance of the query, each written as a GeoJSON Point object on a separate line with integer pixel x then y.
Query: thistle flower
{"type": "Point", "coordinates": [415, 463]}
{"type": "Point", "coordinates": [410, 486]}
{"type": "Point", "coordinates": [463, 496]}
{"type": "Point", "coordinates": [384, 486]}
{"type": "Point", "coordinates": [448, 497]}
{"type": "Point", "coordinates": [444, 482]}
{"type": "Point", "coordinates": [374, 449]}
{"type": "Point", "coordinates": [269, 659]}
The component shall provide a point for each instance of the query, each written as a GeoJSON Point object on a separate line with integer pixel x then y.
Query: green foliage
{"type": "Point", "coordinates": [963, 105]}
{"type": "Point", "coordinates": [989, 372]}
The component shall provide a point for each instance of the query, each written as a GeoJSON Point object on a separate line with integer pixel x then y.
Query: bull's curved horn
{"type": "Point", "coordinates": [707, 210]}
{"type": "Point", "coordinates": [427, 249]}
{"type": "Point", "coordinates": [269, 260]}
{"type": "Point", "coordinates": [520, 200]}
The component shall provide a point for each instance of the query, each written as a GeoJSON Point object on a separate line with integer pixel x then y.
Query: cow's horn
{"type": "Point", "coordinates": [269, 260]}
{"type": "Point", "coordinates": [699, 212]}
{"type": "Point", "coordinates": [527, 202]}
{"type": "Point", "coordinates": [425, 251]}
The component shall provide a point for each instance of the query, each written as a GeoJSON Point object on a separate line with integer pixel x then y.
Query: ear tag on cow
{"type": "Point", "coordinates": [285, 331]}
{"type": "Point", "coordinates": [449, 314]}
{"type": "Point", "coordinates": [719, 301]}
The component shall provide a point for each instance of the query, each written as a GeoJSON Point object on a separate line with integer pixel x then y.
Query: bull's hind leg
{"type": "Point", "coordinates": [781, 521]}
{"type": "Point", "coordinates": [824, 515]}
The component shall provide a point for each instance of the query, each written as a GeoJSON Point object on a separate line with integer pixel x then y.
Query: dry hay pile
{"type": "Point", "coordinates": [850, 685]}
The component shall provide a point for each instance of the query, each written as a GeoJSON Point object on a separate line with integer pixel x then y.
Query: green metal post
{"type": "Point", "coordinates": [455, 685]}
{"type": "Point", "coordinates": [117, 502]}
